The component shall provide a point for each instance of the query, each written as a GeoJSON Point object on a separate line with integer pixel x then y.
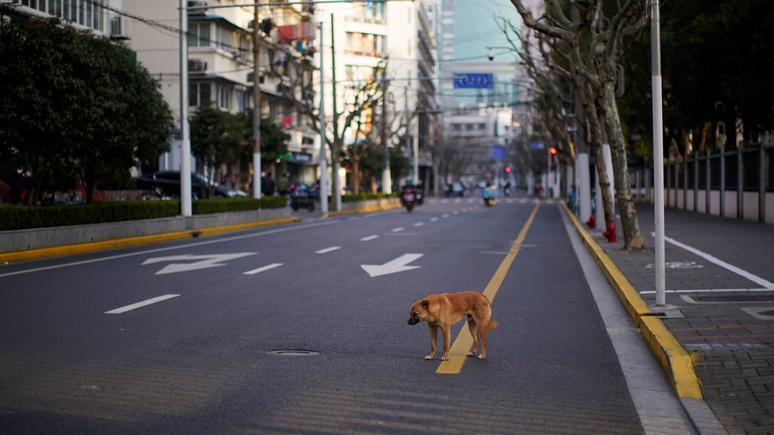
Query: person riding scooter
{"type": "Point", "coordinates": [408, 196]}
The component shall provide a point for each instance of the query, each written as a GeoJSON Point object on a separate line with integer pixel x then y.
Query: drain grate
{"type": "Point", "coordinates": [293, 352]}
{"type": "Point", "coordinates": [734, 298]}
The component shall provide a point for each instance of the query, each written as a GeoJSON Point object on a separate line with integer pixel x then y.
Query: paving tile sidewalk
{"type": "Point", "coordinates": [720, 282]}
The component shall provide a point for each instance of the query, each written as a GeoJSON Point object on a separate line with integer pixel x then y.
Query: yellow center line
{"type": "Point", "coordinates": [464, 341]}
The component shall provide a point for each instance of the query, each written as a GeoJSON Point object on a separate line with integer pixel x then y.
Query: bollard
{"type": "Point", "coordinates": [610, 233]}
{"type": "Point", "coordinates": [592, 222]}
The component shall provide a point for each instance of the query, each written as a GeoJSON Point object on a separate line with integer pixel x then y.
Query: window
{"type": "Point", "coordinates": [88, 13]}
{"type": "Point", "coordinates": [198, 34]}
{"type": "Point", "coordinates": [198, 94]}
{"type": "Point", "coordinates": [224, 97]}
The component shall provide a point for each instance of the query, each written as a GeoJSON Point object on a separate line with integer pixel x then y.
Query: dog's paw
{"type": "Point", "coordinates": [481, 357]}
{"type": "Point", "coordinates": [429, 357]}
{"type": "Point", "coordinates": [471, 353]}
{"type": "Point", "coordinates": [444, 358]}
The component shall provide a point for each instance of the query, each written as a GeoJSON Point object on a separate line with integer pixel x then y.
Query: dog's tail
{"type": "Point", "coordinates": [492, 325]}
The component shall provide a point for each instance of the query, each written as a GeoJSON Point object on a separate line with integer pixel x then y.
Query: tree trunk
{"type": "Point", "coordinates": [595, 128]}
{"type": "Point", "coordinates": [630, 225]}
{"type": "Point", "coordinates": [355, 173]}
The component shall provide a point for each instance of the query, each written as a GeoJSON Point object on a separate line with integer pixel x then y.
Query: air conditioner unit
{"type": "Point", "coordinates": [195, 4]}
{"type": "Point", "coordinates": [196, 65]}
{"type": "Point", "coordinates": [119, 28]}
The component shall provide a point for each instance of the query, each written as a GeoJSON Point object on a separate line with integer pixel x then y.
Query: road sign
{"type": "Point", "coordinates": [498, 152]}
{"type": "Point", "coordinates": [537, 145]}
{"type": "Point", "coordinates": [473, 81]}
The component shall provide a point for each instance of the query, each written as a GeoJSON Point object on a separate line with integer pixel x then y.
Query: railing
{"type": "Point", "coordinates": [709, 182]}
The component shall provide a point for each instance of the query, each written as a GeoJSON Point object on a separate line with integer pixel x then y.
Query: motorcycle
{"type": "Point", "coordinates": [489, 194]}
{"type": "Point", "coordinates": [408, 197]}
{"type": "Point", "coordinates": [302, 197]}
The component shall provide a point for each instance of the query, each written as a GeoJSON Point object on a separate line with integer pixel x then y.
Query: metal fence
{"type": "Point", "coordinates": [709, 182]}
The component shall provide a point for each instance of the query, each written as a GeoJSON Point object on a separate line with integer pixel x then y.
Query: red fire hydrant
{"type": "Point", "coordinates": [592, 222]}
{"type": "Point", "coordinates": [610, 232]}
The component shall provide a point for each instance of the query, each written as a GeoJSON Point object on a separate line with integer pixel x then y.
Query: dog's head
{"type": "Point", "coordinates": [418, 311]}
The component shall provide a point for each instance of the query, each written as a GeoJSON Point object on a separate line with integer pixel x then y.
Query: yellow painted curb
{"type": "Point", "coordinates": [34, 254]}
{"type": "Point", "coordinates": [363, 210]}
{"type": "Point", "coordinates": [671, 355]}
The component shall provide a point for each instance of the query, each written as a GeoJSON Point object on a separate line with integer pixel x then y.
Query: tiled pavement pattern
{"type": "Point", "coordinates": [723, 306]}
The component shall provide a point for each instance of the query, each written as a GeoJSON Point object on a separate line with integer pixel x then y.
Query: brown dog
{"type": "Point", "coordinates": [443, 309]}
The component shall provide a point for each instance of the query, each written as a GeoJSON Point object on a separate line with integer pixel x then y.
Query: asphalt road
{"type": "Point", "coordinates": [283, 330]}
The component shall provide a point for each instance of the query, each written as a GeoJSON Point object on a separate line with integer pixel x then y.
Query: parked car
{"type": "Point", "coordinates": [167, 183]}
{"type": "Point", "coordinates": [455, 189]}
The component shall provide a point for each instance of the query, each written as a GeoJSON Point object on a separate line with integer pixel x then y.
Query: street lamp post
{"type": "Point", "coordinates": [658, 153]}
{"type": "Point", "coordinates": [185, 133]}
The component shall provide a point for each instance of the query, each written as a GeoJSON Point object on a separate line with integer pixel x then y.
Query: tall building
{"type": "Point", "coordinates": [480, 120]}
{"type": "Point", "coordinates": [399, 36]}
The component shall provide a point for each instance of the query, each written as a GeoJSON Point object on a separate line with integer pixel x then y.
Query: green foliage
{"type": "Point", "coordinates": [274, 140]}
{"type": "Point", "coordinates": [217, 137]}
{"type": "Point", "coordinates": [72, 104]}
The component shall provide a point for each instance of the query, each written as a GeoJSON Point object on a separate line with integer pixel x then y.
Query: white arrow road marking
{"type": "Point", "coordinates": [397, 265]}
{"type": "Point", "coordinates": [367, 238]}
{"type": "Point", "coordinates": [140, 304]}
{"type": "Point", "coordinates": [327, 250]}
{"type": "Point", "coordinates": [206, 261]}
{"type": "Point", "coordinates": [262, 269]}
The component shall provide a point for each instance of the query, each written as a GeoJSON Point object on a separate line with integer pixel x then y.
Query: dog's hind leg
{"type": "Point", "coordinates": [433, 339]}
{"type": "Point", "coordinates": [473, 328]}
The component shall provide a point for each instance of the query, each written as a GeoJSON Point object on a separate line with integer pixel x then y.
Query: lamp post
{"type": "Point", "coordinates": [185, 133]}
{"type": "Point", "coordinates": [658, 153]}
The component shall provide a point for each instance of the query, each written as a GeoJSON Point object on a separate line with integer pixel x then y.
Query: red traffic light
{"type": "Point", "coordinates": [553, 151]}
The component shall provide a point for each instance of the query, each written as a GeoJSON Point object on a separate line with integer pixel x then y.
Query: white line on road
{"type": "Point", "coordinates": [419, 224]}
{"type": "Point", "coordinates": [767, 285]}
{"type": "Point", "coordinates": [327, 250]}
{"type": "Point", "coordinates": [140, 304]}
{"type": "Point", "coordinates": [367, 238]}
{"type": "Point", "coordinates": [397, 230]}
{"type": "Point", "coordinates": [262, 269]}
{"type": "Point", "coordinates": [434, 219]}
{"type": "Point", "coordinates": [175, 247]}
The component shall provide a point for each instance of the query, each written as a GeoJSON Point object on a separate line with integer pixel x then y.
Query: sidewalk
{"type": "Point", "coordinates": [719, 308]}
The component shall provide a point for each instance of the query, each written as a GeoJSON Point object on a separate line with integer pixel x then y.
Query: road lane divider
{"type": "Point", "coordinates": [141, 304]}
{"type": "Point", "coordinates": [263, 269]}
{"type": "Point", "coordinates": [458, 353]}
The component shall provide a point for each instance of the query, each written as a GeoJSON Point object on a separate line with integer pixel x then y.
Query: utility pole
{"type": "Point", "coordinates": [386, 179]}
{"type": "Point", "coordinates": [323, 160]}
{"type": "Point", "coordinates": [185, 132]}
{"type": "Point", "coordinates": [658, 152]}
{"type": "Point", "coordinates": [337, 194]}
{"type": "Point", "coordinates": [257, 108]}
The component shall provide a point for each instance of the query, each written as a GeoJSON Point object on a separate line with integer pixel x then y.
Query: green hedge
{"type": "Point", "coordinates": [28, 217]}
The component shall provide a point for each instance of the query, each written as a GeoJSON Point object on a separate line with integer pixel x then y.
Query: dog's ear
{"type": "Point", "coordinates": [425, 303]}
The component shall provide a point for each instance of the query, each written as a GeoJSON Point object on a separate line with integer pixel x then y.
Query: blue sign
{"type": "Point", "coordinates": [498, 152]}
{"type": "Point", "coordinates": [473, 81]}
{"type": "Point", "coordinates": [537, 145]}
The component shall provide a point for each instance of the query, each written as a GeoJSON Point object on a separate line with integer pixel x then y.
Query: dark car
{"type": "Point", "coordinates": [167, 183]}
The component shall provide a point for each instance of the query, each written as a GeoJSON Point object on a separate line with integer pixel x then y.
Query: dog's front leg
{"type": "Point", "coordinates": [446, 338]}
{"type": "Point", "coordinates": [433, 339]}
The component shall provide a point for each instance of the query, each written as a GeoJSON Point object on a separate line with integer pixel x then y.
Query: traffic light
{"type": "Point", "coordinates": [507, 169]}
{"type": "Point", "coordinates": [553, 151]}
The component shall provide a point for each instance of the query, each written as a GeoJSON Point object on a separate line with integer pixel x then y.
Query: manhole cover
{"type": "Point", "coordinates": [293, 352]}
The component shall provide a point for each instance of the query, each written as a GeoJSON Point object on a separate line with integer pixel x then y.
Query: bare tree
{"type": "Point", "coordinates": [589, 35]}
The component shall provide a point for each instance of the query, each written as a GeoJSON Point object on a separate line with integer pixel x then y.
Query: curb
{"type": "Point", "coordinates": [36, 254]}
{"type": "Point", "coordinates": [673, 358]}
{"type": "Point", "coordinates": [363, 210]}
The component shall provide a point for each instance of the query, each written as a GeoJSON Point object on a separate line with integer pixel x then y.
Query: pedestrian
{"type": "Point", "coordinates": [267, 185]}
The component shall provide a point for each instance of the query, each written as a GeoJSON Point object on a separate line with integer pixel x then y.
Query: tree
{"type": "Point", "coordinates": [590, 36]}
{"type": "Point", "coordinates": [217, 137]}
{"type": "Point", "coordinates": [71, 100]}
